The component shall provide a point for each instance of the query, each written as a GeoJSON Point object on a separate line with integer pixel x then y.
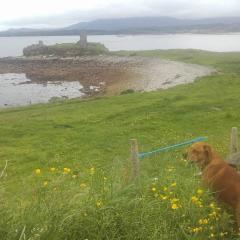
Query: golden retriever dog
{"type": "Point", "coordinates": [222, 178]}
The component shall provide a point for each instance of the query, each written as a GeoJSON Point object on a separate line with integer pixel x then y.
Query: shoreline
{"type": "Point", "coordinates": [106, 74]}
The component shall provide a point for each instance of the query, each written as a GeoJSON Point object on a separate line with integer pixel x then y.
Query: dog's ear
{"type": "Point", "coordinates": [208, 153]}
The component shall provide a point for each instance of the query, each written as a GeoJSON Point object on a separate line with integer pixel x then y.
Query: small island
{"type": "Point", "coordinates": [81, 48]}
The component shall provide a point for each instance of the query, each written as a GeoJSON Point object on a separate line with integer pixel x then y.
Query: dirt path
{"type": "Point", "coordinates": [107, 74]}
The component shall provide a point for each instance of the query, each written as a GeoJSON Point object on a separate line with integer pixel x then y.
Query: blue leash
{"type": "Point", "coordinates": [147, 154]}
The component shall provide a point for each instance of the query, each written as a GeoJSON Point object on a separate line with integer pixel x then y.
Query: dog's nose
{"type": "Point", "coordinates": [184, 155]}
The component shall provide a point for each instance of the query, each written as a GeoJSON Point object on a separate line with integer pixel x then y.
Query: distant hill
{"type": "Point", "coordinates": [130, 23]}
{"type": "Point", "coordinates": [158, 23]}
{"type": "Point", "coordinates": [138, 25]}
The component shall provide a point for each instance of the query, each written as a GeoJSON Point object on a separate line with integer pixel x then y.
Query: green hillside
{"type": "Point", "coordinates": [67, 175]}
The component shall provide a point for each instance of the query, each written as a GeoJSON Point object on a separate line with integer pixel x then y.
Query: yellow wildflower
{"type": "Point", "coordinates": [197, 229]}
{"type": "Point", "coordinates": [98, 203]}
{"type": "Point", "coordinates": [170, 169]}
{"type": "Point", "coordinates": [194, 199]}
{"type": "Point", "coordinates": [174, 200]}
{"type": "Point", "coordinates": [203, 221]}
{"type": "Point", "coordinates": [38, 171]}
{"type": "Point", "coordinates": [199, 204]}
{"type": "Point", "coordinates": [212, 205]}
{"type": "Point", "coordinates": [92, 170]}
{"type": "Point", "coordinates": [45, 183]}
{"type": "Point", "coordinates": [154, 189]}
{"type": "Point", "coordinates": [163, 197]}
{"type": "Point", "coordinates": [83, 185]}
{"type": "Point", "coordinates": [212, 235]}
{"type": "Point", "coordinates": [213, 214]}
{"type": "Point", "coordinates": [174, 184]}
{"type": "Point", "coordinates": [165, 189]}
{"type": "Point", "coordinates": [223, 234]}
{"type": "Point", "coordinates": [66, 170]}
{"type": "Point", "coordinates": [52, 169]}
{"type": "Point", "coordinates": [174, 206]}
{"type": "Point", "coordinates": [199, 191]}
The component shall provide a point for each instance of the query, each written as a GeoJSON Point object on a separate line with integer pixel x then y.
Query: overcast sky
{"type": "Point", "coordinates": [57, 13]}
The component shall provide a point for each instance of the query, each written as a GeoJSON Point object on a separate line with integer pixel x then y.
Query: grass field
{"type": "Point", "coordinates": [68, 175]}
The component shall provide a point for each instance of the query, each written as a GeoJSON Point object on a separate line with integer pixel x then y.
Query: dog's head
{"type": "Point", "coordinates": [200, 153]}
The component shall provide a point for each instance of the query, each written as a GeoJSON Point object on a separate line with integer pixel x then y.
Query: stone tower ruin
{"type": "Point", "coordinates": [83, 39]}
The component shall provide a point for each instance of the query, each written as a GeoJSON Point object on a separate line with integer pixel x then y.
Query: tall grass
{"type": "Point", "coordinates": [99, 203]}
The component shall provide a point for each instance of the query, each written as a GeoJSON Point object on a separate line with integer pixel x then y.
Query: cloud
{"type": "Point", "coordinates": [57, 13]}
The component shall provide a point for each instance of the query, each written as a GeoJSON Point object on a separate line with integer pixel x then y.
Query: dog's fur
{"type": "Point", "coordinates": [218, 175]}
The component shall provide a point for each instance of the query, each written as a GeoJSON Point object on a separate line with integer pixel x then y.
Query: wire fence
{"type": "Point", "coordinates": [136, 156]}
{"type": "Point", "coordinates": [174, 146]}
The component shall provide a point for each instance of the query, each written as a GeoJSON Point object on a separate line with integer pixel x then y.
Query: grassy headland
{"type": "Point", "coordinates": [65, 50]}
{"type": "Point", "coordinates": [67, 174]}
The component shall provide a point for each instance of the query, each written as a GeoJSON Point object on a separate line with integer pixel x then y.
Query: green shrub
{"type": "Point", "coordinates": [128, 91]}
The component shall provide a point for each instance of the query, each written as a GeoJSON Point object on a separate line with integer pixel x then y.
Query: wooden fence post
{"type": "Point", "coordinates": [234, 141]}
{"type": "Point", "coordinates": [234, 155]}
{"type": "Point", "coordinates": [134, 158]}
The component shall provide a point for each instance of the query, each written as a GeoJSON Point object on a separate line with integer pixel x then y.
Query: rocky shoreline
{"type": "Point", "coordinates": [106, 74]}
